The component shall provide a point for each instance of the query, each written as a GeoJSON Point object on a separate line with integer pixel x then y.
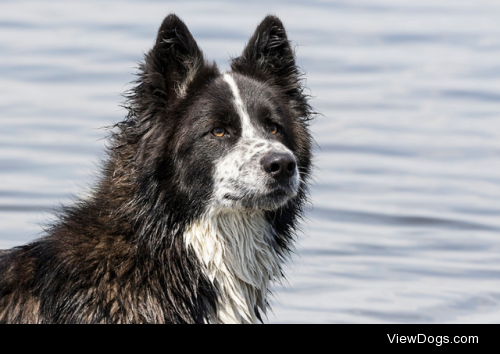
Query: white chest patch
{"type": "Point", "coordinates": [239, 260]}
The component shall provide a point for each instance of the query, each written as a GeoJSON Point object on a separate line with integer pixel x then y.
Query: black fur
{"type": "Point", "coordinates": [120, 257]}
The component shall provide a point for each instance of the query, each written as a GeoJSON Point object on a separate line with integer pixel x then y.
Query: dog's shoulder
{"type": "Point", "coordinates": [4, 252]}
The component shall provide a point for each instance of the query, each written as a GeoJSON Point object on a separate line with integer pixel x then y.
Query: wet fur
{"type": "Point", "coordinates": [133, 252]}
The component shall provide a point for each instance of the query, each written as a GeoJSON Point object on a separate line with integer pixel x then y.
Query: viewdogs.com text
{"type": "Point", "coordinates": [437, 340]}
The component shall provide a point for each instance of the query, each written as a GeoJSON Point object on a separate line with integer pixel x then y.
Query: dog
{"type": "Point", "coordinates": [198, 204]}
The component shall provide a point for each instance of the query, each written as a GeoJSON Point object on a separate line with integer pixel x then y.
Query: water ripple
{"type": "Point", "coordinates": [409, 221]}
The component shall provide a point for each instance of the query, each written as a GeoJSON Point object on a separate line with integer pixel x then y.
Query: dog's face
{"type": "Point", "coordinates": [240, 131]}
{"type": "Point", "coordinates": [226, 140]}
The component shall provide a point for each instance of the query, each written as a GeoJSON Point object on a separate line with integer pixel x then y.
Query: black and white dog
{"type": "Point", "coordinates": [197, 205]}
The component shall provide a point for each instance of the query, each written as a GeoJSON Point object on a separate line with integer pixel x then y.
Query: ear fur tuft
{"type": "Point", "coordinates": [269, 56]}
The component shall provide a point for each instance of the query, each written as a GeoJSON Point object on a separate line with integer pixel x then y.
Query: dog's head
{"type": "Point", "coordinates": [226, 140]}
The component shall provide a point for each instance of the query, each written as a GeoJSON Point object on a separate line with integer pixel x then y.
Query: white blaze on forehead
{"type": "Point", "coordinates": [248, 131]}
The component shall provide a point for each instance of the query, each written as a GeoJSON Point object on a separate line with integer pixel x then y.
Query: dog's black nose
{"type": "Point", "coordinates": [279, 165]}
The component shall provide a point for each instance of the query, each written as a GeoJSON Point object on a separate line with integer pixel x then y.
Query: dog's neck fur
{"type": "Point", "coordinates": [236, 250]}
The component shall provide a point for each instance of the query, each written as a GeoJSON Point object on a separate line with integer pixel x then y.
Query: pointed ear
{"type": "Point", "coordinates": [173, 62]}
{"type": "Point", "coordinates": [269, 56]}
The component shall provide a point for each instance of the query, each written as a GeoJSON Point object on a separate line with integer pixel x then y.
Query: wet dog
{"type": "Point", "coordinates": [197, 205]}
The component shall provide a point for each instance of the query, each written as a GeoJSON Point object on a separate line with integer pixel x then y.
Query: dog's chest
{"type": "Point", "coordinates": [239, 259]}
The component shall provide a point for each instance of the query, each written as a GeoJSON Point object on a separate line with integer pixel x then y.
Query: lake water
{"type": "Point", "coordinates": [404, 224]}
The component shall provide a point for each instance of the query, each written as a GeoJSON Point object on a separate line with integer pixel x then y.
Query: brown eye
{"type": "Point", "coordinates": [219, 132]}
{"type": "Point", "coordinates": [273, 129]}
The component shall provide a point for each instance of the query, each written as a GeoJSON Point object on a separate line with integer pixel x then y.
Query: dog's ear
{"type": "Point", "coordinates": [173, 62]}
{"type": "Point", "coordinates": [269, 56]}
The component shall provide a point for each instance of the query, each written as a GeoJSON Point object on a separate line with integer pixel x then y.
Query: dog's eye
{"type": "Point", "coordinates": [219, 132]}
{"type": "Point", "coordinates": [273, 128]}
